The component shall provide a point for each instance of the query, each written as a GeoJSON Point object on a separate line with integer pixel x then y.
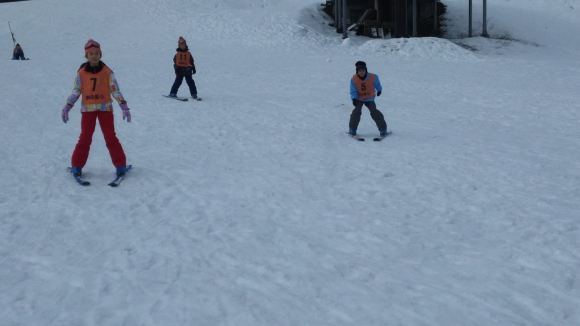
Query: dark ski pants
{"type": "Point", "coordinates": [18, 57]}
{"type": "Point", "coordinates": [88, 124]}
{"type": "Point", "coordinates": [375, 114]}
{"type": "Point", "coordinates": [179, 80]}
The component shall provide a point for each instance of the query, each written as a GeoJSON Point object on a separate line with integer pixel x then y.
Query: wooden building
{"type": "Point", "coordinates": [394, 17]}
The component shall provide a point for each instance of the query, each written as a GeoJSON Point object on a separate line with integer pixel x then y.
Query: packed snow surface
{"type": "Point", "coordinates": [253, 207]}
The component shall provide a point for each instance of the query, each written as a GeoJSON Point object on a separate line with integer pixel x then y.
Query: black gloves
{"type": "Point", "coordinates": [182, 71]}
{"type": "Point", "coordinates": [354, 101]}
{"type": "Point", "coordinates": [379, 93]}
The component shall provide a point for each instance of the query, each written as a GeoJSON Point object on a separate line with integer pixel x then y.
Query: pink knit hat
{"type": "Point", "coordinates": [181, 41]}
{"type": "Point", "coordinates": [92, 45]}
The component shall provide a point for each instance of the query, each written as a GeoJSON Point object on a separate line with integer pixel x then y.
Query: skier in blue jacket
{"type": "Point", "coordinates": [362, 92]}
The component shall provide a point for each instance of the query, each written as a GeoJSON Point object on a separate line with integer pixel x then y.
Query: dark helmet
{"type": "Point", "coordinates": [360, 65]}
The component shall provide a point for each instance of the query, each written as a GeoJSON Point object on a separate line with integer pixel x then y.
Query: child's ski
{"type": "Point", "coordinates": [183, 99]}
{"type": "Point", "coordinates": [120, 178]}
{"type": "Point", "coordinates": [381, 137]}
{"type": "Point", "coordinates": [197, 98]}
{"type": "Point", "coordinates": [78, 179]}
{"type": "Point", "coordinates": [356, 137]}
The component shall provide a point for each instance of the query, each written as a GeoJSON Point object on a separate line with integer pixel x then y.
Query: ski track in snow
{"type": "Point", "coordinates": [252, 207]}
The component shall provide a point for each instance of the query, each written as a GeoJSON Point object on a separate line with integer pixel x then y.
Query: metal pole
{"type": "Point", "coordinates": [335, 14]}
{"type": "Point", "coordinates": [435, 17]}
{"type": "Point", "coordinates": [406, 34]}
{"type": "Point", "coordinates": [13, 39]}
{"type": "Point", "coordinates": [338, 16]}
{"type": "Point", "coordinates": [470, 18]}
{"type": "Point", "coordinates": [344, 14]}
{"type": "Point", "coordinates": [414, 18]}
{"type": "Point", "coordinates": [484, 33]}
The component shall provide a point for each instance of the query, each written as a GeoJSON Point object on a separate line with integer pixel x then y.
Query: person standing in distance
{"type": "Point", "coordinates": [94, 84]}
{"type": "Point", "coordinates": [362, 92]}
{"type": "Point", "coordinates": [184, 67]}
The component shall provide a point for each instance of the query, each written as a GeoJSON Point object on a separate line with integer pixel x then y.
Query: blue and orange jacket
{"type": "Point", "coordinates": [362, 90]}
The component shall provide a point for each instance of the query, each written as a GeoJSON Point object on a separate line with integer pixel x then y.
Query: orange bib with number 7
{"type": "Point", "coordinates": [95, 87]}
{"type": "Point", "coordinates": [365, 88]}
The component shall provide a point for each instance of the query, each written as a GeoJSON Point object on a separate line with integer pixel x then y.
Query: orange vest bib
{"type": "Point", "coordinates": [182, 59]}
{"type": "Point", "coordinates": [365, 88]}
{"type": "Point", "coordinates": [95, 87]}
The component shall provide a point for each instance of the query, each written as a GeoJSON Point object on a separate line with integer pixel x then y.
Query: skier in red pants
{"type": "Point", "coordinates": [95, 82]}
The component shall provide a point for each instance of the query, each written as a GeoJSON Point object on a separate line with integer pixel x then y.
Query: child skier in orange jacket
{"type": "Point", "coordinates": [184, 66]}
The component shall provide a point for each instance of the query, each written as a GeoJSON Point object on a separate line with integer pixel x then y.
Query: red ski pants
{"type": "Point", "coordinates": [88, 124]}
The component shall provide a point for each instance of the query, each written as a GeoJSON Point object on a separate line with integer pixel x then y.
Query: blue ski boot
{"type": "Point", "coordinates": [352, 132]}
{"type": "Point", "coordinates": [121, 170]}
{"type": "Point", "coordinates": [76, 171]}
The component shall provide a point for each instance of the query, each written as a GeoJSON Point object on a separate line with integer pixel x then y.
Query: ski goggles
{"type": "Point", "coordinates": [92, 44]}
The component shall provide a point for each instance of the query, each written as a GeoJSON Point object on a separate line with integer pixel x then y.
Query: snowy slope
{"type": "Point", "coordinates": [519, 27]}
{"type": "Point", "coordinates": [254, 208]}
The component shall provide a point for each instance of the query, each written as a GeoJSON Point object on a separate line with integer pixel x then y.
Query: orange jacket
{"type": "Point", "coordinates": [365, 88]}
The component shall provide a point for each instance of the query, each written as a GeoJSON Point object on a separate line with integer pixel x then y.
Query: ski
{"type": "Point", "coordinates": [183, 99]}
{"type": "Point", "coordinates": [78, 179]}
{"type": "Point", "coordinates": [356, 137]}
{"type": "Point", "coordinates": [119, 178]}
{"type": "Point", "coordinates": [382, 137]}
{"type": "Point", "coordinates": [197, 98]}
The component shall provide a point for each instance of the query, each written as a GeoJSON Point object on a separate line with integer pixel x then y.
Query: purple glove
{"type": "Point", "coordinates": [126, 113]}
{"type": "Point", "coordinates": [64, 113]}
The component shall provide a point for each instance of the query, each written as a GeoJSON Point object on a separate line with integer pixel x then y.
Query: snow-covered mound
{"type": "Point", "coordinates": [418, 48]}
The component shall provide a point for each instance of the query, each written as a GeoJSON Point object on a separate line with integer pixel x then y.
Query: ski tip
{"type": "Point", "coordinates": [355, 137]}
{"type": "Point", "coordinates": [383, 137]}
